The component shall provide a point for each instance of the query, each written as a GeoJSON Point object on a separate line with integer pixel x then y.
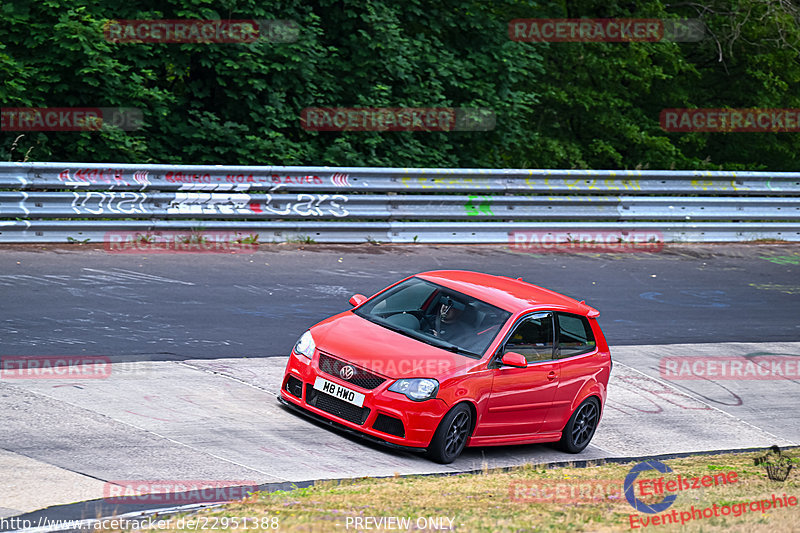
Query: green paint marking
{"type": "Point", "coordinates": [484, 206]}
{"type": "Point", "coordinates": [783, 259]}
{"type": "Point", "coordinates": [788, 289]}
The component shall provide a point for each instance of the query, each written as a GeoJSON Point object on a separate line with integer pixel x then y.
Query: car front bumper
{"type": "Point", "coordinates": [382, 413]}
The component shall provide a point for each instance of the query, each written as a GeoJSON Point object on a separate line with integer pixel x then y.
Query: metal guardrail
{"type": "Point", "coordinates": [56, 202]}
{"type": "Point", "coordinates": [129, 204]}
{"type": "Point", "coordinates": [397, 232]}
{"type": "Point", "coordinates": [84, 176]}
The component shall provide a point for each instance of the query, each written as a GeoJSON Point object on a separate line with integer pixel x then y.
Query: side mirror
{"type": "Point", "coordinates": [517, 360]}
{"type": "Point", "coordinates": [357, 299]}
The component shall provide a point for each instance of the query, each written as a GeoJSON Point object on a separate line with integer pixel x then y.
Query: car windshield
{"type": "Point", "coordinates": [437, 315]}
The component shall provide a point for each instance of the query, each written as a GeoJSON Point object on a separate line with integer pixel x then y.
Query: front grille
{"type": "Point", "coordinates": [361, 378]}
{"type": "Point", "coordinates": [335, 406]}
{"type": "Point", "coordinates": [294, 386]}
{"type": "Point", "coordinates": [389, 424]}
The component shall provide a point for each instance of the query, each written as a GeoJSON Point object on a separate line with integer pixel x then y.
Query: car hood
{"type": "Point", "coordinates": [382, 351]}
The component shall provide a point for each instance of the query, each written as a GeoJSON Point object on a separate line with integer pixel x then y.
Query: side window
{"type": "Point", "coordinates": [533, 338]}
{"type": "Point", "coordinates": [574, 335]}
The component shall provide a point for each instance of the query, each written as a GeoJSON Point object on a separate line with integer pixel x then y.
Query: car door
{"type": "Point", "coordinates": [576, 359]}
{"type": "Point", "coordinates": [521, 397]}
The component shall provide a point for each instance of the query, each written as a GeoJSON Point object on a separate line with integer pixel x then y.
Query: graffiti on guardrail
{"type": "Point", "coordinates": [194, 203]}
{"type": "Point", "coordinates": [128, 203]}
{"type": "Point", "coordinates": [272, 178]}
{"type": "Point", "coordinates": [709, 185]}
{"type": "Point", "coordinates": [479, 205]}
{"type": "Point", "coordinates": [245, 180]}
{"type": "Point", "coordinates": [306, 205]}
{"type": "Point", "coordinates": [84, 177]}
{"type": "Point", "coordinates": [303, 204]}
{"type": "Point", "coordinates": [445, 183]}
{"type": "Point", "coordinates": [419, 180]}
{"type": "Point", "coordinates": [587, 184]}
{"type": "Point", "coordinates": [198, 203]}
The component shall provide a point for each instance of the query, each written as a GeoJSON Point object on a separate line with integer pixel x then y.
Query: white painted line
{"type": "Point", "coordinates": [139, 276]}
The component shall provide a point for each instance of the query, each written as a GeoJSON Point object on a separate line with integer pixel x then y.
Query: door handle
{"type": "Point", "coordinates": [551, 376]}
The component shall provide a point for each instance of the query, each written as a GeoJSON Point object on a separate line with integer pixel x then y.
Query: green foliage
{"type": "Point", "coordinates": [557, 105]}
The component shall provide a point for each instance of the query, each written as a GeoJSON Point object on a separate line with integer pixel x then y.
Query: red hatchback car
{"type": "Point", "coordinates": [447, 359]}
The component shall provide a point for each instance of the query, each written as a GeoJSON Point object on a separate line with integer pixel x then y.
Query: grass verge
{"type": "Point", "coordinates": [526, 498]}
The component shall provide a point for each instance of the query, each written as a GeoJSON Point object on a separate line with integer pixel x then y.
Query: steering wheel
{"type": "Point", "coordinates": [438, 327]}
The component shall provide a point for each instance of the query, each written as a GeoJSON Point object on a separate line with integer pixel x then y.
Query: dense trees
{"type": "Point", "coordinates": [559, 105]}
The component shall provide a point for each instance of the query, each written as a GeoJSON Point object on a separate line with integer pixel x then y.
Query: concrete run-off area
{"type": "Point", "coordinates": [218, 421]}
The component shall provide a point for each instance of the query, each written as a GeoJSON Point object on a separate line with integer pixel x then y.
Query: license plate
{"type": "Point", "coordinates": [337, 391]}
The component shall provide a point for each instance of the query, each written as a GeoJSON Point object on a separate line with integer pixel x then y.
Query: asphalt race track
{"type": "Point", "coordinates": [198, 344]}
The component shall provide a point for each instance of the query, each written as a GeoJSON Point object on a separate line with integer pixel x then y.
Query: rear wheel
{"type": "Point", "coordinates": [451, 436]}
{"type": "Point", "coordinates": [581, 426]}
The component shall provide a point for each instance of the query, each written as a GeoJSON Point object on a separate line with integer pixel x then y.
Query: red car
{"type": "Point", "coordinates": [448, 359]}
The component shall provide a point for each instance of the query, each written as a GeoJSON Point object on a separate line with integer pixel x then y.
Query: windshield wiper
{"type": "Point", "coordinates": [462, 351]}
{"type": "Point", "coordinates": [451, 347]}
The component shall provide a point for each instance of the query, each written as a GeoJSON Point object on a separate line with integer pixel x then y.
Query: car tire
{"type": "Point", "coordinates": [581, 426]}
{"type": "Point", "coordinates": [451, 436]}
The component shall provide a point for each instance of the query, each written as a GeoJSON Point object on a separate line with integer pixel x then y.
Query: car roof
{"type": "Point", "coordinates": [507, 293]}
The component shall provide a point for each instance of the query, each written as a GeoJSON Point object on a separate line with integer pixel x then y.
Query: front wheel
{"type": "Point", "coordinates": [581, 426]}
{"type": "Point", "coordinates": [451, 436]}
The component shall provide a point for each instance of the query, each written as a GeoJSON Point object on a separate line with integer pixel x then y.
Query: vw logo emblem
{"type": "Point", "coordinates": [346, 372]}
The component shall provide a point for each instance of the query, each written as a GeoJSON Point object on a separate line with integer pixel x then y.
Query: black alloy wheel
{"type": "Point", "coordinates": [451, 436]}
{"type": "Point", "coordinates": [581, 426]}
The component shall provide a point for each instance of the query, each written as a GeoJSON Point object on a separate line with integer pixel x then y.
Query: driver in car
{"type": "Point", "coordinates": [450, 325]}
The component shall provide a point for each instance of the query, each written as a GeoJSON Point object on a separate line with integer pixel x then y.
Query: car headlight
{"type": "Point", "coordinates": [417, 389]}
{"type": "Point", "coordinates": [305, 345]}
